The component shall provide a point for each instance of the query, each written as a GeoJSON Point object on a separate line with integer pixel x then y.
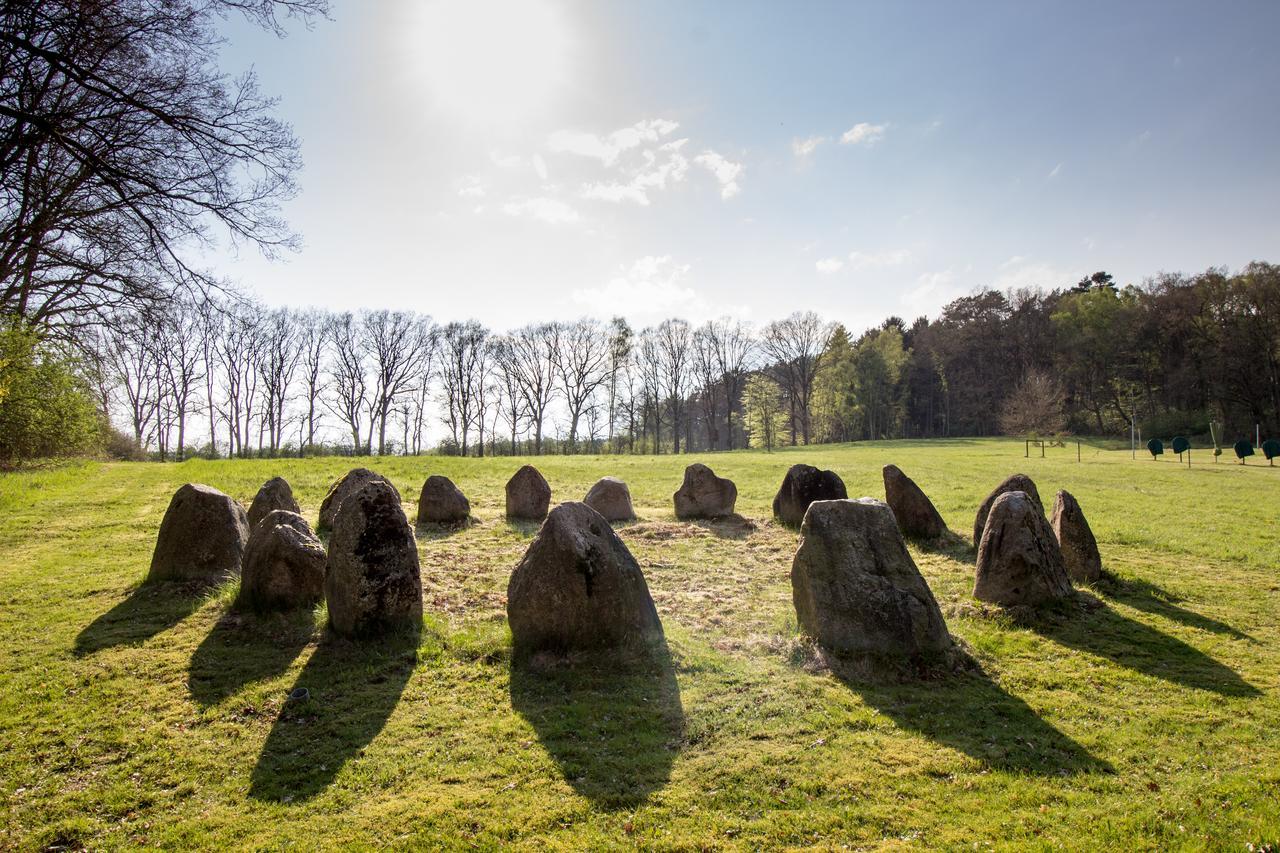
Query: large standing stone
{"type": "Point", "coordinates": [441, 502]}
{"type": "Point", "coordinates": [1079, 547]}
{"type": "Point", "coordinates": [917, 517]}
{"type": "Point", "coordinates": [348, 484]}
{"type": "Point", "coordinates": [803, 485]}
{"type": "Point", "coordinates": [284, 564]}
{"type": "Point", "coordinates": [202, 536]}
{"type": "Point", "coordinates": [1012, 483]}
{"type": "Point", "coordinates": [373, 581]}
{"type": "Point", "coordinates": [856, 589]}
{"type": "Point", "coordinates": [579, 588]}
{"type": "Point", "coordinates": [1019, 561]}
{"type": "Point", "coordinates": [274, 494]}
{"type": "Point", "coordinates": [704, 495]}
{"type": "Point", "coordinates": [611, 498]}
{"type": "Point", "coordinates": [528, 495]}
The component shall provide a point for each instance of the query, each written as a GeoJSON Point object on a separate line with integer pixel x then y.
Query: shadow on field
{"type": "Point", "coordinates": [354, 687]}
{"type": "Point", "coordinates": [1149, 598]}
{"type": "Point", "coordinates": [613, 728]}
{"type": "Point", "coordinates": [1104, 632]}
{"type": "Point", "coordinates": [244, 647]}
{"type": "Point", "coordinates": [430, 530]}
{"type": "Point", "coordinates": [971, 713]}
{"type": "Point", "coordinates": [150, 609]}
{"type": "Point", "coordinates": [733, 526]}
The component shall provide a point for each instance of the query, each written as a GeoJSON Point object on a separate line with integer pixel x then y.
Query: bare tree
{"type": "Point", "coordinates": [511, 404]}
{"type": "Point", "coordinates": [580, 352]}
{"type": "Point", "coordinates": [397, 343]}
{"type": "Point", "coordinates": [281, 351]}
{"type": "Point", "coordinates": [650, 366]}
{"type": "Point", "coordinates": [134, 357]}
{"type": "Point", "coordinates": [621, 342]}
{"type": "Point", "coordinates": [734, 345]}
{"type": "Point", "coordinates": [795, 346]}
{"type": "Point", "coordinates": [180, 355]}
{"type": "Point", "coordinates": [122, 144]}
{"type": "Point", "coordinates": [313, 340]}
{"type": "Point", "coordinates": [349, 376]}
{"type": "Point", "coordinates": [674, 342]}
{"type": "Point", "coordinates": [462, 347]}
{"type": "Point", "coordinates": [534, 366]}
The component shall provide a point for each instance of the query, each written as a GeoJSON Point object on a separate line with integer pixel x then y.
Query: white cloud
{"type": "Point", "coordinates": [802, 148]}
{"type": "Point", "coordinates": [827, 266]}
{"type": "Point", "coordinates": [864, 133]}
{"type": "Point", "coordinates": [726, 171]}
{"type": "Point", "coordinates": [880, 259]}
{"type": "Point", "coordinates": [506, 161]}
{"type": "Point", "coordinates": [1053, 173]}
{"type": "Point", "coordinates": [607, 149]}
{"type": "Point", "coordinates": [616, 192]}
{"type": "Point", "coordinates": [549, 210]}
{"type": "Point", "coordinates": [652, 286]}
{"type": "Point", "coordinates": [932, 291]}
{"type": "Point", "coordinates": [540, 166]}
{"type": "Point", "coordinates": [1038, 274]}
{"type": "Point", "coordinates": [471, 186]}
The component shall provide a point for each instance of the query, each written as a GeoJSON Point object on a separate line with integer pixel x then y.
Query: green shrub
{"type": "Point", "coordinates": [46, 407]}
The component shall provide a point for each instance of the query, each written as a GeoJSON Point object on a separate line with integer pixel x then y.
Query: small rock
{"type": "Point", "coordinates": [612, 499]}
{"type": "Point", "coordinates": [704, 495]}
{"type": "Point", "coordinates": [202, 537]}
{"type": "Point", "coordinates": [441, 502]}
{"type": "Point", "coordinates": [917, 517]}
{"type": "Point", "coordinates": [803, 485]}
{"type": "Point", "coordinates": [274, 494]}
{"type": "Point", "coordinates": [284, 565]}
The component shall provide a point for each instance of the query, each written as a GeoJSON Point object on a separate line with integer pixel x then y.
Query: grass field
{"type": "Point", "coordinates": [133, 714]}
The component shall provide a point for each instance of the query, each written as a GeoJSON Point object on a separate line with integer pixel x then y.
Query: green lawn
{"type": "Point", "coordinates": [133, 714]}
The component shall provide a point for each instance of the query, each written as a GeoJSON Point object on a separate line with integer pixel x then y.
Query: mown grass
{"type": "Point", "coordinates": [133, 714]}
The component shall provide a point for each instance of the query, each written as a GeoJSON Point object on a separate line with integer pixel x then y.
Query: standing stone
{"type": "Point", "coordinates": [856, 589]}
{"type": "Point", "coordinates": [1019, 561]}
{"type": "Point", "coordinates": [611, 498]}
{"type": "Point", "coordinates": [528, 495]}
{"type": "Point", "coordinates": [704, 495]}
{"type": "Point", "coordinates": [373, 581]}
{"type": "Point", "coordinates": [1012, 483]}
{"type": "Point", "coordinates": [348, 484]}
{"type": "Point", "coordinates": [274, 494]}
{"type": "Point", "coordinates": [803, 485]}
{"type": "Point", "coordinates": [202, 536]}
{"type": "Point", "coordinates": [917, 517]}
{"type": "Point", "coordinates": [579, 588]}
{"type": "Point", "coordinates": [284, 564]}
{"type": "Point", "coordinates": [441, 502]}
{"type": "Point", "coordinates": [1079, 548]}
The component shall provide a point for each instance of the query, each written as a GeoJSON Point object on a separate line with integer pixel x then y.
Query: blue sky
{"type": "Point", "coordinates": [545, 159]}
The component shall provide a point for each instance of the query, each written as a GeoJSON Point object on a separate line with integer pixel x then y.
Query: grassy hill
{"type": "Point", "coordinates": [133, 714]}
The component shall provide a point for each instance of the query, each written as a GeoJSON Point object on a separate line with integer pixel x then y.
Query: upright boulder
{"type": "Point", "coordinates": [202, 537]}
{"type": "Point", "coordinates": [579, 588]}
{"type": "Point", "coordinates": [274, 494]}
{"type": "Point", "coordinates": [856, 589]}
{"type": "Point", "coordinates": [441, 502]}
{"type": "Point", "coordinates": [1019, 561]}
{"type": "Point", "coordinates": [348, 484]}
{"type": "Point", "coordinates": [917, 517]}
{"type": "Point", "coordinates": [284, 564]}
{"type": "Point", "coordinates": [1075, 538]}
{"type": "Point", "coordinates": [373, 581]}
{"type": "Point", "coordinates": [803, 485]}
{"type": "Point", "coordinates": [1012, 483]}
{"type": "Point", "coordinates": [704, 495]}
{"type": "Point", "coordinates": [611, 498]}
{"type": "Point", "coordinates": [528, 495]}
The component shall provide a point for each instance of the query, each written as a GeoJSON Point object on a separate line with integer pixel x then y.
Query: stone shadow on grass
{"type": "Point", "coordinates": [730, 526]}
{"type": "Point", "coordinates": [613, 726]}
{"type": "Point", "coordinates": [244, 647]}
{"type": "Point", "coordinates": [1150, 598]}
{"type": "Point", "coordinates": [149, 609]}
{"type": "Point", "coordinates": [1102, 631]}
{"type": "Point", "coordinates": [969, 712]}
{"type": "Point", "coordinates": [354, 686]}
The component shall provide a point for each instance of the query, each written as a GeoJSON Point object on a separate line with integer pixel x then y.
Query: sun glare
{"type": "Point", "coordinates": [491, 61]}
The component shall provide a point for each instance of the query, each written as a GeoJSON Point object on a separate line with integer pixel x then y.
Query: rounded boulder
{"type": "Point", "coordinates": [275, 494]}
{"type": "Point", "coordinates": [611, 498]}
{"type": "Point", "coordinates": [528, 495]}
{"type": "Point", "coordinates": [202, 537]}
{"type": "Point", "coordinates": [1012, 483]}
{"type": "Point", "coordinates": [284, 564]}
{"type": "Point", "coordinates": [704, 495]}
{"type": "Point", "coordinates": [1075, 538]}
{"type": "Point", "coordinates": [348, 484]}
{"type": "Point", "coordinates": [441, 502]}
{"type": "Point", "coordinates": [802, 485]}
{"type": "Point", "coordinates": [917, 517]}
{"type": "Point", "coordinates": [1019, 561]}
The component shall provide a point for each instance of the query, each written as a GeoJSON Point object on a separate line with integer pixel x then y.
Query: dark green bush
{"type": "Point", "coordinates": [46, 407]}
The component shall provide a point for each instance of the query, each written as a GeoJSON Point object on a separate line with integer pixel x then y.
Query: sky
{"type": "Point", "coordinates": [537, 160]}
